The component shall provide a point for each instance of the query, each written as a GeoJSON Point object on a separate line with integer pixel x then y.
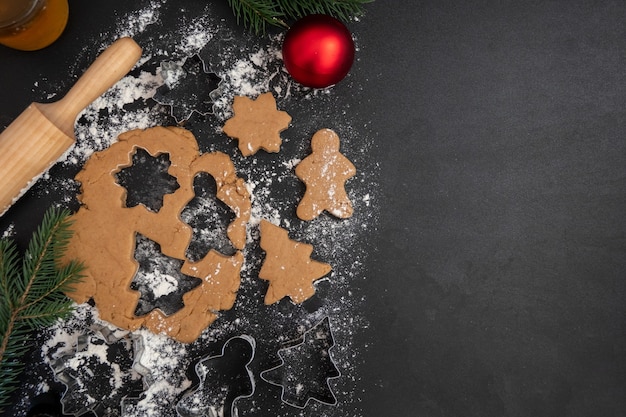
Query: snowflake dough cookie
{"type": "Point", "coordinates": [257, 124]}
{"type": "Point", "coordinates": [288, 266]}
{"type": "Point", "coordinates": [105, 233]}
{"type": "Point", "coordinates": [325, 173]}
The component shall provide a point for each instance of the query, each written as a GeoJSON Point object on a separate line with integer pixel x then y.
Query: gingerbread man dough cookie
{"type": "Point", "coordinates": [105, 233]}
{"type": "Point", "coordinates": [257, 124]}
{"type": "Point", "coordinates": [325, 173]}
{"type": "Point", "coordinates": [288, 266]}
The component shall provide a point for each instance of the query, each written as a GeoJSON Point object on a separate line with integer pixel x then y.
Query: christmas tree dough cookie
{"type": "Point", "coordinates": [288, 266]}
{"type": "Point", "coordinates": [325, 173]}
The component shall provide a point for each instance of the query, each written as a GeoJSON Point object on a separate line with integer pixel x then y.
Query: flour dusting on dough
{"type": "Point", "coordinates": [247, 66]}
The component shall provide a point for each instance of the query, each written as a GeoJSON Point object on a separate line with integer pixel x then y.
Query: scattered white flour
{"type": "Point", "coordinates": [138, 21]}
{"type": "Point", "coordinates": [101, 123]}
{"type": "Point", "coordinates": [9, 232]}
{"type": "Point", "coordinates": [162, 368]}
{"type": "Point", "coordinates": [163, 363]}
{"type": "Point", "coordinates": [161, 283]}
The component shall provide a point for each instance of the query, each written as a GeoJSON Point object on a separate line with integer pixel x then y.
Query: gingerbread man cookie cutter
{"type": "Point", "coordinates": [224, 379]}
{"type": "Point", "coordinates": [104, 233]}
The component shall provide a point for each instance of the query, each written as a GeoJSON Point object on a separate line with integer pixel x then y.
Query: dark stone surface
{"type": "Point", "coordinates": [497, 281]}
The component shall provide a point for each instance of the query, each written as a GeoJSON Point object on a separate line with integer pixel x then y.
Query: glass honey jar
{"type": "Point", "coordinates": [29, 25]}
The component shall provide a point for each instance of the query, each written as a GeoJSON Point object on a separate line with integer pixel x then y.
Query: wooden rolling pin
{"type": "Point", "coordinates": [43, 132]}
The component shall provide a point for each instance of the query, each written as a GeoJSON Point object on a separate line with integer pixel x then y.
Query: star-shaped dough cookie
{"type": "Point", "coordinates": [288, 266]}
{"type": "Point", "coordinates": [257, 124]}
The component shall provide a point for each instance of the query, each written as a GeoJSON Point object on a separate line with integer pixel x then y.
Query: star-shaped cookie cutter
{"type": "Point", "coordinates": [310, 371]}
{"type": "Point", "coordinates": [189, 87]}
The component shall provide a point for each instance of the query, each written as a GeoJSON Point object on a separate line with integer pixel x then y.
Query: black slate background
{"type": "Point", "coordinates": [497, 281]}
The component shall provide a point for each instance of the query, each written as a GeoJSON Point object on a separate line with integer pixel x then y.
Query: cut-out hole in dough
{"type": "Point", "coordinates": [209, 218]}
{"type": "Point", "coordinates": [159, 279]}
{"type": "Point", "coordinates": [147, 180]}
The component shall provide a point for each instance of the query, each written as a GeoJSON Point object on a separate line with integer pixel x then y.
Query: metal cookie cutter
{"type": "Point", "coordinates": [97, 373]}
{"type": "Point", "coordinates": [151, 362]}
{"type": "Point", "coordinates": [306, 367]}
{"type": "Point", "coordinates": [188, 87]}
{"type": "Point", "coordinates": [224, 379]}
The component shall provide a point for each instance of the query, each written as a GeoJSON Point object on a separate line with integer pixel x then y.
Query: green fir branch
{"type": "Point", "coordinates": [257, 14]}
{"type": "Point", "coordinates": [32, 293]}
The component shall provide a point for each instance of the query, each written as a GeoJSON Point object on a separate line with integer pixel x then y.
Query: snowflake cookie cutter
{"type": "Point", "coordinates": [189, 87]}
{"type": "Point", "coordinates": [97, 373]}
{"type": "Point", "coordinates": [306, 367]}
{"type": "Point", "coordinates": [224, 379]}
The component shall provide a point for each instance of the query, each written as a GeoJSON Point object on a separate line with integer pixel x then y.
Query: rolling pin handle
{"type": "Point", "coordinates": [110, 66]}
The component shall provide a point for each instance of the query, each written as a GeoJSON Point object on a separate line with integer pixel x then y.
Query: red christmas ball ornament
{"type": "Point", "coordinates": [318, 51]}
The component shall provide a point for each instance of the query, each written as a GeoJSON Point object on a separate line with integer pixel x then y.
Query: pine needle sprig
{"type": "Point", "coordinates": [32, 293]}
{"type": "Point", "coordinates": [257, 14]}
{"type": "Point", "coordinates": [341, 9]}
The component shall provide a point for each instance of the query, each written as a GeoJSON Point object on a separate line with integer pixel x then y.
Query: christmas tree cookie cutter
{"type": "Point", "coordinates": [224, 379]}
{"type": "Point", "coordinates": [306, 367]}
{"type": "Point", "coordinates": [188, 88]}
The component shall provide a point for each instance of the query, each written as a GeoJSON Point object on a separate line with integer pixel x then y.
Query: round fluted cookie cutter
{"type": "Point", "coordinates": [97, 373]}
